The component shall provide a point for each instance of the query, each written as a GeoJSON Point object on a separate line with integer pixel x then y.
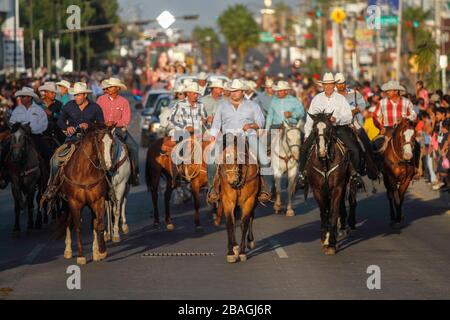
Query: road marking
{"type": "Point", "coordinates": [34, 253]}
{"type": "Point", "coordinates": [278, 249]}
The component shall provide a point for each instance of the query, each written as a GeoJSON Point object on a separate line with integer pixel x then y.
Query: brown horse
{"type": "Point", "coordinates": [84, 183]}
{"type": "Point", "coordinates": [328, 175]}
{"type": "Point", "coordinates": [398, 167]}
{"type": "Point", "coordinates": [240, 184]}
{"type": "Point", "coordinates": [193, 171]}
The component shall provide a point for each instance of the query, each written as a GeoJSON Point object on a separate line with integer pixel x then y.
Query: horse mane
{"type": "Point", "coordinates": [16, 126]}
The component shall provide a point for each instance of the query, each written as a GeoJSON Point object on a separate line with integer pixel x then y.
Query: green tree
{"type": "Point", "coordinates": [208, 42]}
{"type": "Point", "coordinates": [425, 52]}
{"type": "Point", "coordinates": [414, 33]}
{"type": "Point", "coordinates": [240, 30]}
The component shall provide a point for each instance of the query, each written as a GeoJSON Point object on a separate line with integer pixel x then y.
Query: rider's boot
{"type": "Point", "coordinates": [265, 194]}
{"type": "Point", "coordinates": [213, 192]}
{"type": "Point", "coordinates": [134, 175]}
{"type": "Point", "coordinates": [356, 177]}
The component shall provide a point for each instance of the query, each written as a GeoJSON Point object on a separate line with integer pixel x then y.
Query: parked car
{"type": "Point", "coordinates": [150, 122]}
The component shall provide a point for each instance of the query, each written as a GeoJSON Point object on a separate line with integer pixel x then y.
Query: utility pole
{"type": "Point", "coordinates": [41, 48]}
{"type": "Point", "coordinates": [399, 40]}
{"type": "Point", "coordinates": [33, 43]}
{"type": "Point", "coordinates": [15, 38]}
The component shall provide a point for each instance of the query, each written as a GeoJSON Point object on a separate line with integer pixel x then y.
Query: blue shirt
{"type": "Point", "coordinates": [279, 106]}
{"type": "Point", "coordinates": [72, 116]}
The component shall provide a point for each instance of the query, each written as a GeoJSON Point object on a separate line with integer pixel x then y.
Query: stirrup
{"type": "Point", "coordinates": [212, 197]}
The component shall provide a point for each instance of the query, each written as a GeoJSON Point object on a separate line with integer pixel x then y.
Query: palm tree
{"type": "Point", "coordinates": [411, 17]}
{"type": "Point", "coordinates": [425, 53]}
{"type": "Point", "coordinates": [240, 30]}
{"type": "Point", "coordinates": [208, 42]}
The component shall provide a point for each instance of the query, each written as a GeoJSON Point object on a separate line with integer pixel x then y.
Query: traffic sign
{"type": "Point", "coordinates": [388, 20]}
{"type": "Point", "coordinates": [266, 37]}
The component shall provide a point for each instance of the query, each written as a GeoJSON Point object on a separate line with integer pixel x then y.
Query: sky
{"type": "Point", "coordinates": [208, 10]}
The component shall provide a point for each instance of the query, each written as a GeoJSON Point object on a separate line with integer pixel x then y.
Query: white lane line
{"type": "Point", "coordinates": [279, 249]}
{"type": "Point", "coordinates": [34, 253]}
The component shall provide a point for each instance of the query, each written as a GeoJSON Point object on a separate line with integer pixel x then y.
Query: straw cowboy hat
{"type": "Point", "coordinates": [179, 89]}
{"type": "Point", "coordinates": [79, 88]}
{"type": "Point", "coordinates": [236, 85]}
{"type": "Point", "coordinates": [202, 76]}
{"type": "Point", "coordinates": [327, 78]}
{"type": "Point", "coordinates": [216, 84]}
{"type": "Point", "coordinates": [340, 78]}
{"type": "Point", "coordinates": [26, 92]}
{"type": "Point", "coordinates": [64, 83]}
{"type": "Point", "coordinates": [49, 86]}
{"type": "Point", "coordinates": [268, 83]}
{"type": "Point", "coordinates": [114, 82]}
{"type": "Point", "coordinates": [251, 85]}
{"type": "Point", "coordinates": [192, 87]}
{"type": "Point", "coordinates": [282, 85]}
{"type": "Point", "coordinates": [392, 85]}
{"type": "Point", "coordinates": [104, 84]}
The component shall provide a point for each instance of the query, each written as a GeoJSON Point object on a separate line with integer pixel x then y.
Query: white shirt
{"type": "Point", "coordinates": [336, 104]}
{"type": "Point", "coordinates": [35, 116]}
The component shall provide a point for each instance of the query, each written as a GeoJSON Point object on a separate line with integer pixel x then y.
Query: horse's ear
{"type": "Point", "coordinates": [312, 116]}
{"type": "Point", "coordinates": [285, 124]}
{"type": "Point", "coordinates": [329, 115]}
{"type": "Point", "coordinates": [299, 124]}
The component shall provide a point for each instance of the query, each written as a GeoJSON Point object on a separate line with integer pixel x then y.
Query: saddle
{"type": "Point", "coordinates": [380, 143]}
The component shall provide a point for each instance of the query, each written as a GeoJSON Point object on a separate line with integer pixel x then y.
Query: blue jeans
{"type": "Point", "coordinates": [132, 145]}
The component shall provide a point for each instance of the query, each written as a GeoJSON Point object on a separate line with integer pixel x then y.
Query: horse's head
{"type": "Point", "coordinates": [292, 137]}
{"type": "Point", "coordinates": [232, 161]}
{"type": "Point", "coordinates": [323, 130]}
{"type": "Point", "coordinates": [104, 141]}
{"type": "Point", "coordinates": [405, 135]}
{"type": "Point", "coordinates": [20, 135]}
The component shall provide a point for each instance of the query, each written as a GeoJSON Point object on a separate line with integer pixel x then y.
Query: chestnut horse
{"type": "Point", "coordinates": [239, 188]}
{"type": "Point", "coordinates": [328, 175]}
{"type": "Point", "coordinates": [398, 167]}
{"type": "Point", "coordinates": [84, 183]}
{"type": "Point", "coordinates": [195, 173]}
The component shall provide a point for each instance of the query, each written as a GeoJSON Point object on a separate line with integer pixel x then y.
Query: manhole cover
{"type": "Point", "coordinates": [177, 254]}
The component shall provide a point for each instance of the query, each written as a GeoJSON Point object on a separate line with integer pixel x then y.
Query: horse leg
{"type": "Point", "coordinates": [229, 217]}
{"type": "Point", "coordinates": [116, 210]}
{"type": "Point", "coordinates": [401, 191]}
{"type": "Point", "coordinates": [75, 212]}
{"type": "Point", "coordinates": [167, 196]}
{"type": "Point", "coordinates": [323, 217]}
{"type": "Point", "coordinates": [336, 198]}
{"type": "Point", "coordinates": [108, 208]}
{"type": "Point", "coordinates": [219, 214]}
{"type": "Point", "coordinates": [342, 217]}
{"type": "Point", "coordinates": [38, 222]}
{"type": "Point", "coordinates": [17, 194]}
{"type": "Point", "coordinates": [98, 208]}
{"type": "Point", "coordinates": [196, 193]}
{"type": "Point", "coordinates": [68, 243]}
{"type": "Point", "coordinates": [251, 244]}
{"type": "Point", "coordinates": [352, 204]}
{"type": "Point", "coordinates": [292, 184]}
{"type": "Point", "coordinates": [245, 220]}
{"type": "Point", "coordinates": [30, 201]}
{"type": "Point", "coordinates": [125, 228]}
{"type": "Point", "coordinates": [277, 204]}
{"type": "Point", "coordinates": [390, 194]}
{"type": "Point", "coordinates": [154, 191]}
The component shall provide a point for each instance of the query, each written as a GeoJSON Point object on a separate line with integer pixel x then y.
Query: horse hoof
{"type": "Point", "coordinates": [329, 251]}
{"type": "Point", "coordinates": [216, 223]}
{"type": "Point", "coordinates": [199, 229]}
{"type": "Point", "coordinates": [102, 256]}
{"type": "Point", "coordinates": [251, 245]}
{"type": "Point", "coordinates": [125, 229]}
{"type": "Point", "coordinates": [95, 257]}
{"type": "Point", "coordinates": [236, 250]}
{"type": "Point", "coordinates": [116, 239]}
{"type": "Point", "coordinates": [243, 257]}
{"type": "Point", "coordinates": [232, 259]}
{"type": "Point", "coordinates": [67, 254]}
{"type": "Point", "coordinates": [170, 227]}
{"type": "Point", "coordinates": [81, 260]}
{"type": "Point", "coordinates": [107, 237]}
{"type": "Point", "coordinates": [290, 213]}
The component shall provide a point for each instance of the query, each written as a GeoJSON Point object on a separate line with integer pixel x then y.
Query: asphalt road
{"type": "Point", "coordinates": [286, 264]}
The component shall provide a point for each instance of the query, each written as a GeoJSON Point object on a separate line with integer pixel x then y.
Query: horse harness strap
{"type": "Point", "coordinates": [326, 173]}
{"type": "Point", "coordinates": [80, 185]}
{"type": "Point", "coordinates": [30, 171]}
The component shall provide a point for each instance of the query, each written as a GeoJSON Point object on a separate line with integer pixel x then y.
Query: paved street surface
{"type": "Point", "coordinates": [287, 263]}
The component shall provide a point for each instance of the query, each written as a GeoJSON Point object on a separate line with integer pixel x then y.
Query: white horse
{"type": "Point", "coordinates": [121, 187]}
{"type": "Point", "coordinates": [285, 156]}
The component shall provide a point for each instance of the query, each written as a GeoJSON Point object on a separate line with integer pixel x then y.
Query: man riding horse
{"type": "Point", "coordinates": [78, 114]}
{"type": "Point", "coordinates": [331, 102]}
{"type": "Point", "coordinates": [187, 118]}
{"type": "Point", "coordinates": [52, 108]}
{"type": "Point", "coordinates": [236, 116]}
{"type": "Point", "coordinates": [117, 111]}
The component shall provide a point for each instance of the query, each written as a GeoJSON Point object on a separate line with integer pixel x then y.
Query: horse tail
{"type": "Point", "coordinates": [306, 191]}
{"type": "Point", "coordinates": [63, 222]}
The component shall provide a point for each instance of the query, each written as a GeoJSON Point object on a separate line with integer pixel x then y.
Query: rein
{"type": "Point", "coordinates": [289, 156]}
{"type": "Point", "coordinates": [326, 173]}
{"type": "Point", "coordinates": [399, 159]}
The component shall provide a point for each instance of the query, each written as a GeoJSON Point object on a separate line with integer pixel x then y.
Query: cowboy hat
{"type": "Point", "coordinates": [79, 88]}
{"type": "Point", "coordinates": [64, 83]}
{"type": "Point", "coordinates": [268, 83]}
{"type": "Point", "coordinates": [236, 85]}
{"type": "Point", "coordinates": [114, 82]}
{"type": "Point", "coordinates": [179, 89]}
{"type": "Point", "coordinates": [104, 84]}
{"type": "Point", "coordinates": [202, 76]}
{"type": "Point", "coordinates": [282, 85]}
{"type": "Point", "coordinates": [327, 78]}
{"type": "Point", "coordinates": [251, 85]}
{"type": "Point", "coordinates": [339, 78]}
{"type": "Point", "coordinates": [392, 85]}
{"type": "Point", "coordinates": [192, 87]}
{"type": "Point", "coordinates": [49, 86]}
{"type": "Point", "coordinates": [27, 92]}
{"type": "Point", "coordinates": [216, 84]}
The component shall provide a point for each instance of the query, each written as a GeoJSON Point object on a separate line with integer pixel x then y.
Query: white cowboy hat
{"type": "Point", "coordinates": [26, 91]}
{"type": "Point", "coordinates": [179, 89]}
{"type": "Point", "coordinates": [114, 82]}
{"type": "Point", "coordinates": [64, 83]}
{"type": "Point", "coordinates": [192, 87]}
{"type": "Point", "coordinates": [251, 85]}
{"type": "Point", "coordinates": [49, 86]}
{"type": "Point", "coordinates": [392, 85]}
{"type": "Point", "coordinates": [79, 87]}
{"type": "Point", "coordinates": [339, 78]}
{"type": "Point", "coordinates": [327, 78]}
{"type": "Point", "coordinates": [282, 85]}
{"type": "Point", "coordinates": [372, 109]}
{"type": "Point", "coordinates": [104, 84]}
{"type": "Point", "coordinates": [236, 85]}
{"type": "Point", "coordinates": [202, 76]}
{"type": "Point", "coordinates": [268, 83]}
{"type": "Point", "coordinates": [216, 84]}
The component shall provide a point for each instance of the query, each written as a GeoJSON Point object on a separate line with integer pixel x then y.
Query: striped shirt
{"type": "Point", "coordinates": [184, 115]}
{"type": "Point", "coordinates": [388, 113]}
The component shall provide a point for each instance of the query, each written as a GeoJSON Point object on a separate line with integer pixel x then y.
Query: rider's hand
{"type": "Point", "coordinates": [189, 129]}
{"type": "Point", "coordinates": [84, 126]}
{"type": "Point", "coordinates": [210, 119]}
{"type": "Point", "coordinates": [355, 111]}
{"type": "Point", "coordinates": [287, 114]}
{"type": "Point", "coordinates": [110, 124]}
{"type": "Point", "coordinates": [333, 119]}
{"type": "Point", "coordinates": [71, 130]}
{"type": "Point", "coordinates": [247, 127]}
{"type": "Point", "coordinates": [383, 131]}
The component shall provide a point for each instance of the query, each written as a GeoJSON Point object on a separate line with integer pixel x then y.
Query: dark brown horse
{"type": "Point", "coordinates": [398, 167]}
{"type": "Point", "coordinates": [84, 183]}
{"type": "Point", "coordinates": [193, 170]}
{"type": "Point", "coordinates": [239, 188]}
{"type": "Point", "coordinates": [328, 175]}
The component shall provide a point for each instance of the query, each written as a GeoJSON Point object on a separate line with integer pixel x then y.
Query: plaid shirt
{"type": "Point", "coordinates": [183, 115]}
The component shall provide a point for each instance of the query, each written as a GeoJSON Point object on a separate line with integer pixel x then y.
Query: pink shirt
{"type": "Point", "coordinates": [117, 110]}
{"type": "Point", "coordinates": [423, 93]}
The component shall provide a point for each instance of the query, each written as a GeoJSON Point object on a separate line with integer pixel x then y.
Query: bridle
{"type": "Point", "coordinates": [411, 143]}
